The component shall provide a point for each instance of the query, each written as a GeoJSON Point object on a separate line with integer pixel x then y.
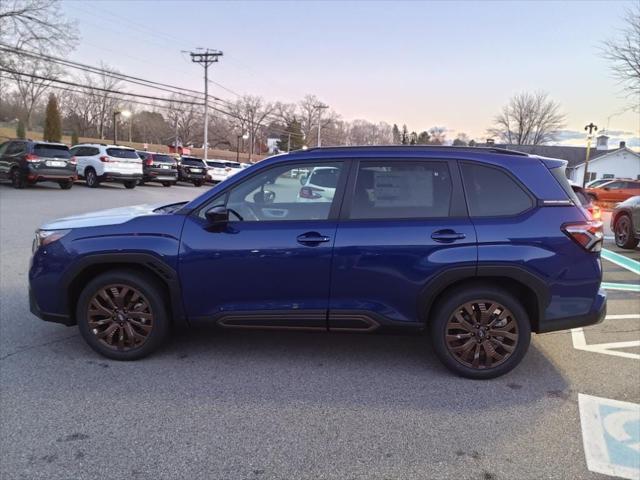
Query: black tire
{"type": "Point", "coordinates": [91, 178]}
{"type": "Point", "coordinates": [167, 184]}
{"type": "Point", "coordinates": [141, 182]}
{"type": "Point", "coordinates": [439, 326]}
{"type": "Point", "coordinates": [197, 183]}
{"type": "Point", "coordinates": [623, 232]}
{"type": "Point", "coordinates": [130, 184]}
{"type": "Point", "coordinates": [17, 179]}
{"type": "Point", "coordinates": [150, 289]}
{"type": "Point", "coordinates": [66, 185]}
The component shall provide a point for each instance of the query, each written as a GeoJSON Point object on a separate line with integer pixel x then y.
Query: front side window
{"type": "Point", "coordinates": [491, 192]}
{"type": "Point", "coordinates": [398, 189]}
{"type": "Point", "coordinates": [284, 193]}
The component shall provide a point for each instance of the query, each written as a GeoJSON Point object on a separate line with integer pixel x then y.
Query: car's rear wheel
{"type": "Point", "coordinates": [167, 184]}
{"type": "Point", "coordinates": [197, 183]}
{"type": "Point", "coordinates": [17, 179]}
{"type": "Point", "coordinates": [623, 230]}
{"type": "Point", "coordinates": [66, 185]}
{"type": "Point", "coordinates": [130, 184]}
{"type": "Point", "coordinates": [91, 178]}
{"type": "Point", "coordinates": [121, 315]}
{"type": "Point", "coordinates": [480, 332]}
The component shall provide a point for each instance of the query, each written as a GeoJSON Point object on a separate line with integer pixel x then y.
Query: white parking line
{"type": "Point", "coordinates": [611, 348]}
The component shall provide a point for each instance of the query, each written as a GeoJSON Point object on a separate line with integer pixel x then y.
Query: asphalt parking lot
{"type": "Point", "coordinates": [282, 405]}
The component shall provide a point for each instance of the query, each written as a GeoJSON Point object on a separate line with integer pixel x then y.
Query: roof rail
{"type": "Point", "coordinates": [502, 151]}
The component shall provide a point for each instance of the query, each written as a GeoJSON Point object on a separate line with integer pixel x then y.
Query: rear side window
{"type": "Point", "coordinates": [491, 192]}
{"type": "Point", "coordinates": [52, 151]}
{"type": "Point", "coordinates": [192, 162]}
{"type": "Point", "coordinates": [216, 164]}
{"type": "Point", "coordinates": [122, 153]}
{"type": "Point", "coordinates": [393, 189]}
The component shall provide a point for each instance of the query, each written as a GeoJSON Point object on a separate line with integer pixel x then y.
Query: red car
{"type": "Point", "coordinates": [615, 191]}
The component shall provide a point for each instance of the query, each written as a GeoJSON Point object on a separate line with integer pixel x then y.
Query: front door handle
{"type": "Point", "coordinates": [447, 236]}
{"type": "Point", "coordinates": [312, 238]}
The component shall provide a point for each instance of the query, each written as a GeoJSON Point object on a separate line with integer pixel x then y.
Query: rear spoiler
{"type": "Point", "coordinates": [552, 163]}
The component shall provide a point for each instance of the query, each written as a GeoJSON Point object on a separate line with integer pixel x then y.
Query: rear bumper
{"type": "Point", "coordinates": [41, 174]}
{"type": "Point", "coordinates": [120, 177]}
{"type": "Point", "coordinates": [161, 175]}
{"type": "Point", "coordinates": [190, 177]}
{"type": "Point", "coordinates": [595, 315]}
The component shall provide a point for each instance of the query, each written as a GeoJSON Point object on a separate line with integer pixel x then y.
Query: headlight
{"type": "Point", "coordinates": [45, 237]}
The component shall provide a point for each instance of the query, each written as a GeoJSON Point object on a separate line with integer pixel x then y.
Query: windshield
{"type": "Point", "coordinates": [55, 151]}
{"type": "Point", "coordinates": [122, 153]}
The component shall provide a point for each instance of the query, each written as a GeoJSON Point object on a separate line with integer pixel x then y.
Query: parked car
{"type": "Point", "coordinates": [587, 202]}
{"type": "Point", "coordinates": [26, 162]}
{"type": "Point", "coordinates": [99, 162]}
{"type": "Point", "coordinates": [192, 170]}
{"type": "Point", "coordinates": [615, 191]}
{"type": "Point", "coordinates": [477, 247]}
{"type": "Point", "coordinates": [320, 185]}
{"type": "Point", "coordinates": [220, 170]}
{"type": "Point", "coordinates": [625, 223]}
{"type": "Point", "coordinates": [602, 181]}
{"type": "Point", "coordinates": [158, 167]}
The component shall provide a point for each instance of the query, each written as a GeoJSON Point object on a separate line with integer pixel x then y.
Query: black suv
{"type": "Point", "coordinates": [192, 170]}
{"type": "Point", "coordinates": [26, 162]}
{"type": "Point", "coordinates": [158, 167]}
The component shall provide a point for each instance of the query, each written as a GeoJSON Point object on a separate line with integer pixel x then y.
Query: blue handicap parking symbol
{"type": "Point", "coordinates": [622, 435]}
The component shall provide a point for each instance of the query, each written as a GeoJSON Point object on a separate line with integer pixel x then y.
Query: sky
{"type": "Point", "coordinates": [423, 64]}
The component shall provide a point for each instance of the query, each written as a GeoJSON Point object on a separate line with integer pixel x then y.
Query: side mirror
{"type": "Point", "coordinates": [303, 179]}
{"type": "Point", "coordinates": [218, 214]}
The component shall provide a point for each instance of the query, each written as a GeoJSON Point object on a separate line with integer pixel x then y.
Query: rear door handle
{"type": "Point", "coordinates": [312, 238]}
{"type": "Point", "coordinates": [447, 236]}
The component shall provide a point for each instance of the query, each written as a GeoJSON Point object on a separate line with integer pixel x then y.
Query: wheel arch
{"type": "Point", "coordinates": [89, 267]}
{"type": "Point", "coordinates": [530, 290]}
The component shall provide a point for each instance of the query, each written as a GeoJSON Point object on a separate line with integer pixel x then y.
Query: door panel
{"type": "Point", "coordinates": [270, 265]}
{"type": "Point", "coordinates": [404, 223]}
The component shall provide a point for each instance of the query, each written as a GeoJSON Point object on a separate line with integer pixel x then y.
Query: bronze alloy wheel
{"type": "Point", "coordinates": [120, 317]}
{"type": "Point", "coordinates": [481, 334]}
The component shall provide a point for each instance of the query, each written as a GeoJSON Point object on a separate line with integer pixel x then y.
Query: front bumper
{"type": "Point", "coordinates": [595, 315]}
{"type": "Point", "coordinates": [47, 317]}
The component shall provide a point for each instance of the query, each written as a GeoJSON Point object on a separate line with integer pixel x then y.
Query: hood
{"type": "Point", "coordinates": [112, 216]}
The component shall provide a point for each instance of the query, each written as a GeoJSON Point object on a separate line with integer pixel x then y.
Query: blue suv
{"type": "Point", "coordinates": [476, 247]}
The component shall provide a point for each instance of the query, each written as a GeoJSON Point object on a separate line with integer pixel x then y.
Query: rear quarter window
{"type": "Point", "coordinates": [492, 192]}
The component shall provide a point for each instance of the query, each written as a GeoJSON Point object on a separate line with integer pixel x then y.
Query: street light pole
{"type": "Point", "coordinates": [590, 128]}
{"type": "Point", "coordinates": [115, 126]}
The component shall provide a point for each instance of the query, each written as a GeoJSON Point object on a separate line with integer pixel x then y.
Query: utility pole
{"type": "Point", "coordinates": [320, 107]}
{"type": "Point", "coordinates": [205, 59]}
{"type": "Point", "coordinates": [590, 128]}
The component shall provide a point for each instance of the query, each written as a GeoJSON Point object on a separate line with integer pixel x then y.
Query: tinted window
{"type": "Point", "coordinates": [324, 177]}
{"type": "Point", "coordinates": [492, 192]}
{"type": "Point", "coordinates": [3, 147]}
{"type": "Point", "coordinates": [232, 164]}
{"type": "Point", "coordinates": [52, 151]}
{"type": "Point", "coordinates": [16, 147]}
{"type": "Point", "coordinates": [281, 194]}
{"type": "Point", "coordinates": [193, 162]}
{"type": "Point", "coordinates": [614, 185]}
{"type": "Point", "coordinates": [163, 159]}
{"type": "Point", "coordinates": [216, 164]}
{"type": "Point", "coordinates": [395, 189]}
{"type": "Point", "coordinates": [633, 185]}
{"type": "Point", "coordinates": [122, 153]}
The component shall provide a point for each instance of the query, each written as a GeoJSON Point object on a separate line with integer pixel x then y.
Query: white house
{"type": "Point", "coordinates": [620, 163]}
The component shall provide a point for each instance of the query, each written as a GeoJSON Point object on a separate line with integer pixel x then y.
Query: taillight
{"type": "Point", "coordinates": [310, 192]}
{"type": "Point", "coordinates": [148, 161]}
{"type": "Point", "coordinates": [589, 235]}
{"type": "Point", "coordinates": [596, 213]}
{"type": "Point", "coordinates": [73, 161]}
{"type": "Point", "coordinates": [32, 158]}
{"type": "Point", "coordinates": [105, 159]}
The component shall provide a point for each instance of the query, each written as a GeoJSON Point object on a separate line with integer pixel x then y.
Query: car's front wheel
{"type": "Point", "coordinates": [121, 315]}
{"type": "Point", "coordinates": [130, 184]}
{"type": "Point", "coordinates": [167, 184]}
{"type": "Point", "coordinates": [480, 332]}
{"type": "Point", "coordinates": [17, 179]}
{"type": "Point", "coordinates": [197, 183]}
{"type": "Point", "coordinates": [623, 230]}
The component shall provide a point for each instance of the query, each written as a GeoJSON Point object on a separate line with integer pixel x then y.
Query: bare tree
{"type": "Point", "coordinates": [623, 53]}
{"type": "Point", "coordinates": [35, 24]}
{"type": "Point", "coordinates": [528, 119]}
{"type": "Point", "coordinates": [252, 112]}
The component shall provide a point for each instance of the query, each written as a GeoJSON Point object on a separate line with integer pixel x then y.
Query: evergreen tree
{"type": "Point", "coordinates": [20, 133]}
{"type": "Point", "coordinates": [404, 137]}
{"type": "Point", "coordinates": [395, 132]}
{"type": "Point", "coordinates": [74, 138]}
{"type": "Point", "coordinates": [293, 130]}
{"type": "Point", "coordinates": [423, 138]}
{"type": "Point", "coordinates": [52, 122]}
{"type": "Point", "coordinates": [413, 138]}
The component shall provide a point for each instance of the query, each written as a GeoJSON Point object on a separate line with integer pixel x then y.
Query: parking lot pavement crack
{"type": "Point", "coordinates": [32, 347]}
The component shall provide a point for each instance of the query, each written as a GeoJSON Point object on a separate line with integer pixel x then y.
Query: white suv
{"type": "Point", "coordinates": [220, 170]}
{"type": "Point", "coordinates": [98, 162]}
